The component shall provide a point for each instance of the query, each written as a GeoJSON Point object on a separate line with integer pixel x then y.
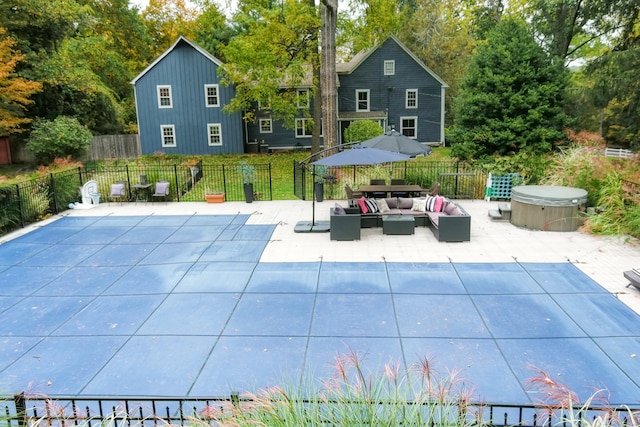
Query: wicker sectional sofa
{"type": "Point", "coordinates": [449, 225]}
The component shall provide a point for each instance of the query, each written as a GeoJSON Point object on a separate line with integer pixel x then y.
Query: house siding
{"type": "Point", "coordinates": [187, 71]}
{"type": "Point", "coordinates": [388, 93]}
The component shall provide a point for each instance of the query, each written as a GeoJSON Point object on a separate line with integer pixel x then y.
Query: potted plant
{"type": "Point", "coordinates": [319, 174]}
{"type": "Point", "coordinates": [212, 196]}
{"type": "Point", "coordinates": [248, 174]}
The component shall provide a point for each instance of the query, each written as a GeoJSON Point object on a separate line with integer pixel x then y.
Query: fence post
{"type": "Point", "coordinates": [52, 192]}
{"type": "Point", "coordinates": [21, 409]}
{"type": "Point", "coordinates": [175, 174]}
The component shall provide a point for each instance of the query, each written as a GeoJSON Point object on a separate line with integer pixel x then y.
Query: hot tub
{"type": "Point", "coordinates": [547, 207]}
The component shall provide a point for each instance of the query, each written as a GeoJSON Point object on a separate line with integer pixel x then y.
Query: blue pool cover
{"type": "Point", "coordinates": [180, 306]}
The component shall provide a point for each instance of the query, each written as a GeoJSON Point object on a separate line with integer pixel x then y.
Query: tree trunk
{"type": "Point", "coordinates": [328, 72]}
{"type": "Point", "coordinates": [317, 95]}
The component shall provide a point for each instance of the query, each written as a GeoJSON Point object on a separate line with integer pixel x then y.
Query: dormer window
{"type": "Point", "coordinates": [389, 67]}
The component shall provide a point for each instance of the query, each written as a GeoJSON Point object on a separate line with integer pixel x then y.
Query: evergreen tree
{"type": "Point", "coordinates": [512, 97]}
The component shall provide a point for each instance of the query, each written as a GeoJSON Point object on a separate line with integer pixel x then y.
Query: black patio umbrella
{"type": "Point", "coordinates": [356, 155]}
{"type": "Point", "coordinates": [361, 155]}
{"type": "Point", "coordinates": [398, 143]}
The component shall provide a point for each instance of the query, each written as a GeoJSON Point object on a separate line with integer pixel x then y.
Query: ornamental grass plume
{"type": "Point", "coordinates": [561, 406]}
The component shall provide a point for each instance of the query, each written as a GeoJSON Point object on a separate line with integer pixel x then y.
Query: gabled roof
{"type": "Point", "coordinates": [181, 40]}
{"type": "Point", "coordinates": [360, 57]}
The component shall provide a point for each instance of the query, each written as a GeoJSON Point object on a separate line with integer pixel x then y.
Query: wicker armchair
{"type": "Point", "coordinates": [352, 196]}
{"type": "Point", "coordinates": [433, 191]}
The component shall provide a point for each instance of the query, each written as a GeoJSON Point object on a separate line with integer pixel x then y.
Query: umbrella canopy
{"type": "Point", "coordinates": [359, 155]}
{"type": "Point", "coordinates": [397, 143]}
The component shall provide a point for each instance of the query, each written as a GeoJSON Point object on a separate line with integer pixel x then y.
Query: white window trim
{"type": "Point", "coordinates": [209, 134]}
{"type": "Point", "coordinates": [270, 125]}
{"type": "Point", "coordinates": [298, 103]}
{"type": "Point", "coordinates": [158, 89]}
{"type": "Point", "coordinates": [406, 99]}
{"type": "Point", "coordinates": [415, 120]}
{"type": "Point", "coordinates": [206, 95]}
{"type": "Point", "coordinates": [391, 69]}
{"type": "Point", "coordinates": [173, 134]}
{"type": "Point", "coordinates": [358, 92]}
{"type": "Point", "coordinates": [302, 122]}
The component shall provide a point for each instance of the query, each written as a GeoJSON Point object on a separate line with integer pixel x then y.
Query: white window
{"type": "Point", "coordinates": [409, 126]}
{"type": "Point", "coordinates": [164, 97]}
{"type": "Point", "coordinates": [412, 98]}
{"type": "Point", "coordinates": [266, 126]}
{"type": "Point", "coordinates": [211, 96]}
{"type": "Point", "coordinates": [303, 98]}
{"type": "Point", "coordinates": [362, 99]}
{"type": "Point", "coordinates": [304, 128]}
{"type": "Point", "coordinates": [168, 133]}
{"type": "Point", "coordinates": [389, 67]}
{"type": "Point", "coordinates": [215, 133]}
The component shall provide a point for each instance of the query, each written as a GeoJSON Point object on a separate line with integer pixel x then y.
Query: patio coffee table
{"type": "Point", "coordinates": [398, 224]}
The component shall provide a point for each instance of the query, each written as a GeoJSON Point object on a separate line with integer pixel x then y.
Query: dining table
{"type": "Point", "coordinates": [399, 188]}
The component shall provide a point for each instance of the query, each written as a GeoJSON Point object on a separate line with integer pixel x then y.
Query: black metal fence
{"type": "Point", "coordinates": [161, 411]}
{"type": "Point", "coordinates": [35, 199]}
{"type": "Point", "coordinates": [458, 180]}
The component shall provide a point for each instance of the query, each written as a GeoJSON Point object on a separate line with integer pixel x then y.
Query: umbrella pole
{"type": "Point", "coordinates": [312, 227]}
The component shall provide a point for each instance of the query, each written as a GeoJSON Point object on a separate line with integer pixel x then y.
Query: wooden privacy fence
{"type": "Point", "coordinates": [114, 147]}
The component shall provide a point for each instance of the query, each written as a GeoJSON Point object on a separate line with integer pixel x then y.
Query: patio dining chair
{"type": "Point", "coordinates": [433, 191]}
{"type": "Point", "coordinates": [118, 191]}
{"type": "Point", "coordinates": [399, 193]}
{"type": "Point", "coordinates": [352, 196]}
{"type": "Point", "coordinates": [162, 191]}
{"type": "Point", "coordinates": [378, 194]}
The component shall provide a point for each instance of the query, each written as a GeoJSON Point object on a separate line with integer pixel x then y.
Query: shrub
{"type": "Point", "coordinates": [361, 130]}
{"type": "Point", "coordinates": [62, 137]}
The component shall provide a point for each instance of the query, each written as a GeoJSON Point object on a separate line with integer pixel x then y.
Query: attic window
{"type": "Point", "coordinates": [164, 97]}
{"type": "Point", "coordinates": [389, 67]}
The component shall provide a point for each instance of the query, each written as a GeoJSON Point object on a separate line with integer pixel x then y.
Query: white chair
{"type": "Point", "coordinates": [118, 191]}
{"type": "Point", "coordinates": [162, 190]}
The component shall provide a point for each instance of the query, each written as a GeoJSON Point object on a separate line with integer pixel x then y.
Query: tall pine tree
{"type": "Point", "coordinates": [511, 99]}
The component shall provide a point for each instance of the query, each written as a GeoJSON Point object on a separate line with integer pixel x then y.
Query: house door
{"type": "Point", "coordinates": [5, 151]}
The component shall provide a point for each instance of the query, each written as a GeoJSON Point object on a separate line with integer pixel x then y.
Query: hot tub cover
{"type": "Point", "coordinates": [549, 195]}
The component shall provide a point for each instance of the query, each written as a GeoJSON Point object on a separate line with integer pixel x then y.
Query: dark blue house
{"type": "Point", "coordinates": [391, 85]}
{"type": "Point", "coordinates": [388, 84]}
{"type": "Point", "coordinates": [179, 104]}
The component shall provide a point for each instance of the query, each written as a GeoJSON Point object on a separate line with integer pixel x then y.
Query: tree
{"type": "Point", "coordinates": [273, 58]}
{"type": "Point", "coordinates": [62, 137]}
{"type": "Point", "coordinates": [511, 99]}
{"type": "Point", "coordinates": [440, 34]}
{"type": "Point", "coordinates": [372, 22]}
{"type": "Point", "coordinates": [212, 30]}
{"type": "Point", "coordinates": [15, 91]}
{"type": "Point", "coordinates": [361, 130]}
{"type": "Point", "coordinates": [166, 20]}
{"type": "Point", "coordinates": [616, 90]}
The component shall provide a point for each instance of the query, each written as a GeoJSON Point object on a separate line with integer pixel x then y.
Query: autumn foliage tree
{"type": "Point", "coordinates": [15, 91]}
